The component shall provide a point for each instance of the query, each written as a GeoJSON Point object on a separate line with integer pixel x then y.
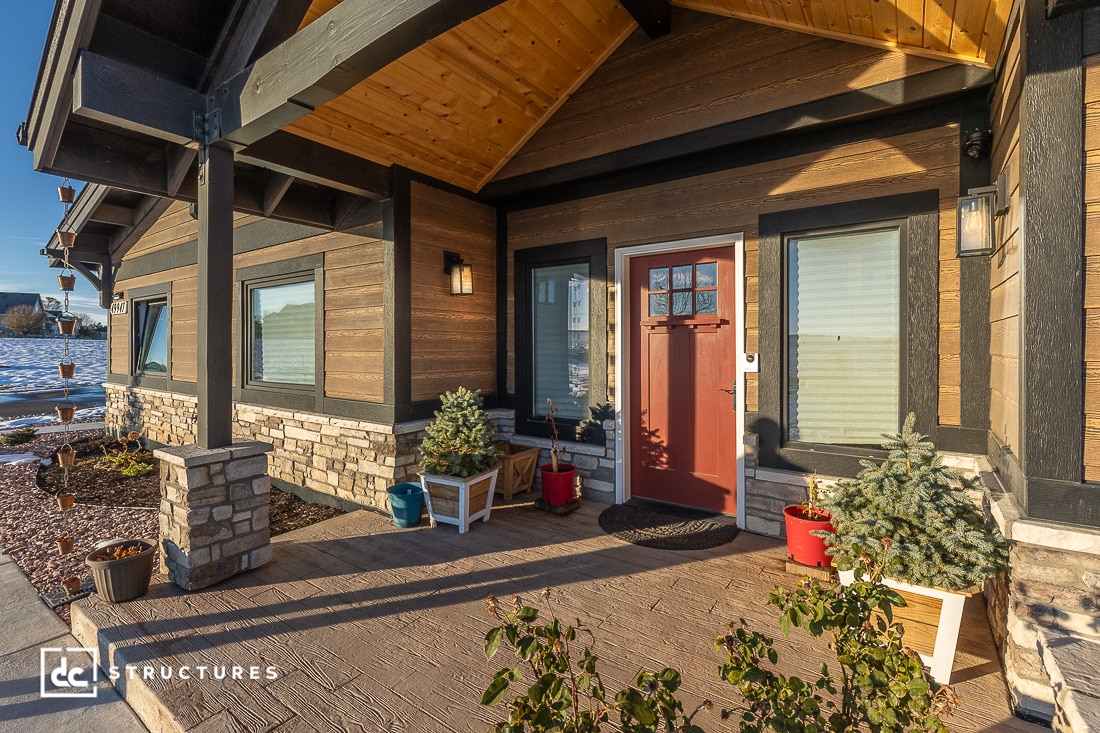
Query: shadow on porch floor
{"type": "Point", "coordinates": [378, 629]}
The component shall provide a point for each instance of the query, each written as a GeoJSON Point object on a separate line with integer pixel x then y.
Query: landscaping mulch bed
{"type": "Point", "coordinates": [109, 505]}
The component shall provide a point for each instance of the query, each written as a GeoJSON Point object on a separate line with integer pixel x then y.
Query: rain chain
{"type": "Point", "coordinates": [66, 411]}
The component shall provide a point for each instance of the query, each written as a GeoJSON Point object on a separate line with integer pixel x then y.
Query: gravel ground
{"type": "Point", "coordinates": [30, 523]}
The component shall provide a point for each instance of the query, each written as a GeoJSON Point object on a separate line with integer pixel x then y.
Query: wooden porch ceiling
{"type": "Point", "coordinates": [460, 106]}
{"type": "Point", "coordinates": [962, 31]}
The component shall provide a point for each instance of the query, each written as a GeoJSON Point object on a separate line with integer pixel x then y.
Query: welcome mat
{"type": "Point", "coordinates": [666, 527]}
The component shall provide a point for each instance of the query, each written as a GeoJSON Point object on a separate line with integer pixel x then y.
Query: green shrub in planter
{"type": "Point", "coordinates": [913, 515]}
{"type": "Point", "coordinates": [460, 438]}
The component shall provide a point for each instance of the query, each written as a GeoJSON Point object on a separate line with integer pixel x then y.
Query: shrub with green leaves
{"type": "Point", "coordinates": [914, 516]}
{"type": "Point", "coordinates": [18, 437]}
{"type": "Point", "coordinates": [460, 438]}
{"type": "Point", "coordinates": [567, 695]}
{"type": "Point", "coordinates": [877, 685]}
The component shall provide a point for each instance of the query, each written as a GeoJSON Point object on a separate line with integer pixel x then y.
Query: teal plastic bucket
{"type": "Point", "coordinates": [406, 504]}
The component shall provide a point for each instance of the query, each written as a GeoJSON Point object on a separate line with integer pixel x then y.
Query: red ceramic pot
{"type": "Point", "coordinates": [558, 487]}
{"type": "Point", "coordinates": [803, 547]}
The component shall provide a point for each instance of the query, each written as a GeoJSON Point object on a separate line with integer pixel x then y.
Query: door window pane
{"type": "Point", "coordinates": [560, 339]}
{"type": "Point", "coordinates": [706, 302]}
{"type": "Point", "coordinates": [282, 336]}
{"type": "Point", "coordinates": [706, 275]}
{"type": "Point", "coordinates": [658, 304]}
{"type": "Point", "coordinates": [681, 303]}
{"type": "Point", "coordinates": [658, 278]}
{"type": "Point", "coordinates": [681, 277]}
{"type": "Point", "coordinates": [153, 337]}
{"type": "Point", "coordinates": [843, 326]}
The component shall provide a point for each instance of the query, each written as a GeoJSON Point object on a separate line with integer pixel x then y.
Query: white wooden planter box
{"type": "Point", "coordinates": [931, 619]}
{"type": "Point", "coordinates": [457, 500]}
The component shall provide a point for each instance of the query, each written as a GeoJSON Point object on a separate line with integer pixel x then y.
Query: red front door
{"type": "Point", "coordinates": [683, 424]}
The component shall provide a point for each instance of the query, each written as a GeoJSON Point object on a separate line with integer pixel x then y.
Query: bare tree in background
{"type": "Point", "coordinates": [23, 319]}
{"type": "Point", "coordinates": [89, 325]}
{"type": "Point", "coordinates": [51, 303]}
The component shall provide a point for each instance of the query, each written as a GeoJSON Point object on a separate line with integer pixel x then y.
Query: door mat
{"type": "Point", "coordinates": [666, 527]}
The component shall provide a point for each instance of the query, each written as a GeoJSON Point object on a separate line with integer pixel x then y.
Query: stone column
{"type": "Point", "coordinates": [213, 512]}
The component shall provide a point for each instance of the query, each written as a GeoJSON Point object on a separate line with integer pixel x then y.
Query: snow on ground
{"type": "Point", "coordinates": [30, 364]}
{"type": "Point", "coordinates": [87, 414]}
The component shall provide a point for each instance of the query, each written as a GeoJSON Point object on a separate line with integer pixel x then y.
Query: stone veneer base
{"type": "Point", "coordinates": [213, 512]}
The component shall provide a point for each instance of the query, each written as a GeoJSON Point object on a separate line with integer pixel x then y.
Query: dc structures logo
{"type": "Point", "coordinates": [65, 672]}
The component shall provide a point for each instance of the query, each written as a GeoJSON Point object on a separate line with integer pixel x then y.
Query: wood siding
{"type": "Point", "coordinates": [1092, 268]}
{"type": "Point", "coordinates": [1004, 281]}
{"type": "Point", "coordinates": [731, 201]}
{"type": "Point", "coordinates": [707, 71]}
{"type": "Point", "coordinates": [453, 337]}
{"type": "Point", "coordinates": [353, 296]}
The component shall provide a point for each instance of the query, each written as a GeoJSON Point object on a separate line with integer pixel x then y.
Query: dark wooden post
{"type": "Point", "coordinates": [215, 291]}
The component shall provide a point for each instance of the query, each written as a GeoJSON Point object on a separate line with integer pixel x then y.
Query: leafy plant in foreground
{"type": "Point", "coordinates": [568, 695]}
{"type": "Point", "coordinates": [877, 685]}
{"type": "Point", "coordinates": [18, 437]}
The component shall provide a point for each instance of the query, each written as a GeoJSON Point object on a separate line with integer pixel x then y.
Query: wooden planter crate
{"type": "Point", "coordinates": [457, 500]}
{"type": "Point", "coordinates": [932, 618]}
{"type": "Point", "coordinates": [517, 469]}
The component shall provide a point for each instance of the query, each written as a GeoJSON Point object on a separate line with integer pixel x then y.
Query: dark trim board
{"type": "Point", "coordinates": [502, 304]}
{"type": "Point", "coordinates": [594, 252]}
{"type": "Point", "coordinates": [1051, 265]}
{"type": "Point", "coordinates": [397, 299]}
{"type": "Point", "coordinates": [425, 409]}
{"type": "Point", "coordinates": [1091, 31]}
{"type": "Point", "coordinates": [915, 103]}
{"type": "Point", "coordinates": [918, 214]}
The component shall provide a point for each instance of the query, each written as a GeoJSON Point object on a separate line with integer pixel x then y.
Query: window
{"type": "Point", "coordinates": [560, 329]}
{"type": "Point", "coordinates": [151, 335]}
{"type": "Point", "coordinates": [843, 337]}
{"type": "Point", "coordinates": [282, 332]}
{"type": "Point", "coordinates": [561, 334]}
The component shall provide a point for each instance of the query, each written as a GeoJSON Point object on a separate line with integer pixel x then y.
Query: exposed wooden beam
{"type": "Point", "coordinates": [261, 25]}
{"type": "Point", "coordinates": [654, 16]}
{"type": "Point", "coordinates": [329, 57]}
{"type": "Point", "coordinates": [275, 187]}
{"type": "Point", "coordinates": [113, 214]}
{"type": "Point", "coordinates": [145, 215]}
{"type": "Point", "coordinates": [113, 159]}
{"type": "Point", "coordinates": [296, 156]}
{"type": "Point", "coordinates": [180, 161]}
{"type": "Point", "coordinates": [72, 24]}
{"type": "Point", "coordinates": [132, 98]}
{"type": "Point", "coordinates": [1061, 7]}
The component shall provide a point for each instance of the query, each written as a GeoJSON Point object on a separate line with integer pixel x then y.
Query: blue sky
{"type": "Point", "coordinates": [29, 209]}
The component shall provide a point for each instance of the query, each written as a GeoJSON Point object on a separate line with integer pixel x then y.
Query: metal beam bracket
{"type": "Point", "coordinates": [208, 127]}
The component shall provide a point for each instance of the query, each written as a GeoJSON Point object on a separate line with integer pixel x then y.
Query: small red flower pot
{"type": "Point", "coordinates": [558, 487]}
{"type": "Point", "coordinates": [803, 547]}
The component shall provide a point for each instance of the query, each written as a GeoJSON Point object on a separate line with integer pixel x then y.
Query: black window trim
{"type": "Point", "coordinates": [594, 253]}
{"type": "Point", "coordinates": [920, 360]}
{"type": "Point", "coordinates": [309, 268]}
{"type": "Point", "coordinates": [901, 226]}
{"type": "Point", "coordinates": [139, 297]}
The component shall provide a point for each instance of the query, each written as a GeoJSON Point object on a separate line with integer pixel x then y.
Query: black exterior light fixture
{"type": "Point", "coordinates": [975, 214]}
{"type": "Point", "coordinates": [462, 275]}
{"type": "Point", "coordinates": [977, 143]}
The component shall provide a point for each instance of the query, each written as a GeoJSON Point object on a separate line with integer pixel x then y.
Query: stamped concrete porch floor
{"type": "Point", "coordinates": [373, 628]}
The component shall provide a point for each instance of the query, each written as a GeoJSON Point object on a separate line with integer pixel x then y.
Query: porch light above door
{"type": "Point", "coordinates": [462, 274]}
{"type": "Point", "coordinates": [975, 214]}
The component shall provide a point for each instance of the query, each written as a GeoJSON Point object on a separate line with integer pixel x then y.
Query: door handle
{"type": "Point", "coordinates": [732, 391]}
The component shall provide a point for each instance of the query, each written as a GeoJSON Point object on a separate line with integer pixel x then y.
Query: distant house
{"type": "Point", "coordinates": [10, 300]}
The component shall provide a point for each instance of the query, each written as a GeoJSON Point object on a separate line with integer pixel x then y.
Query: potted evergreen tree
{"type": "Point", "coordinates": [913, 516]}
{"type": "Point", "coordinates": [459, 461]}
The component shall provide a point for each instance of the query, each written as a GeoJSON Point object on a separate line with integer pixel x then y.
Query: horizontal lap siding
{"type": "Point", "coordinates": [1004, 306]}
{"type": "Point", "coordinates": [353, 290]}
{"type": "Point", "coordinates": [453, 337]}
{"type": "Point", "coordinates": [1092, 268]}
{"type": "Point", "coordinates": [707, 71]}
{"type": "Point", "coordinates": [732, 201]}
{"type": "Point", "coordinates": [354, 362]}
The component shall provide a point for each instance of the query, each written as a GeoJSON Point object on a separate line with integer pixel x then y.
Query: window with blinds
{"type": "Point", "coordinates": [560, 327]}
{"type": "Point", "coordinates": [843, 337]}
{"type": "Point", "coordinates": [282, 333]}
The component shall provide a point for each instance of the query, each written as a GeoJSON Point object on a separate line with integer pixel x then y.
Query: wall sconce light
{"type": "Point", "coordinates": [462, 275]}
{"type": "Point", "coordinates": [975, 214]}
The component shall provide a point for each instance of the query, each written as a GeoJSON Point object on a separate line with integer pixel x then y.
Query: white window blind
{"type": "Point", "coordinates": [843, 337]}
{"type": "Point", "coordinates": [560, 339]}
{"type": "Point", "coordinates": [283, 340]}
